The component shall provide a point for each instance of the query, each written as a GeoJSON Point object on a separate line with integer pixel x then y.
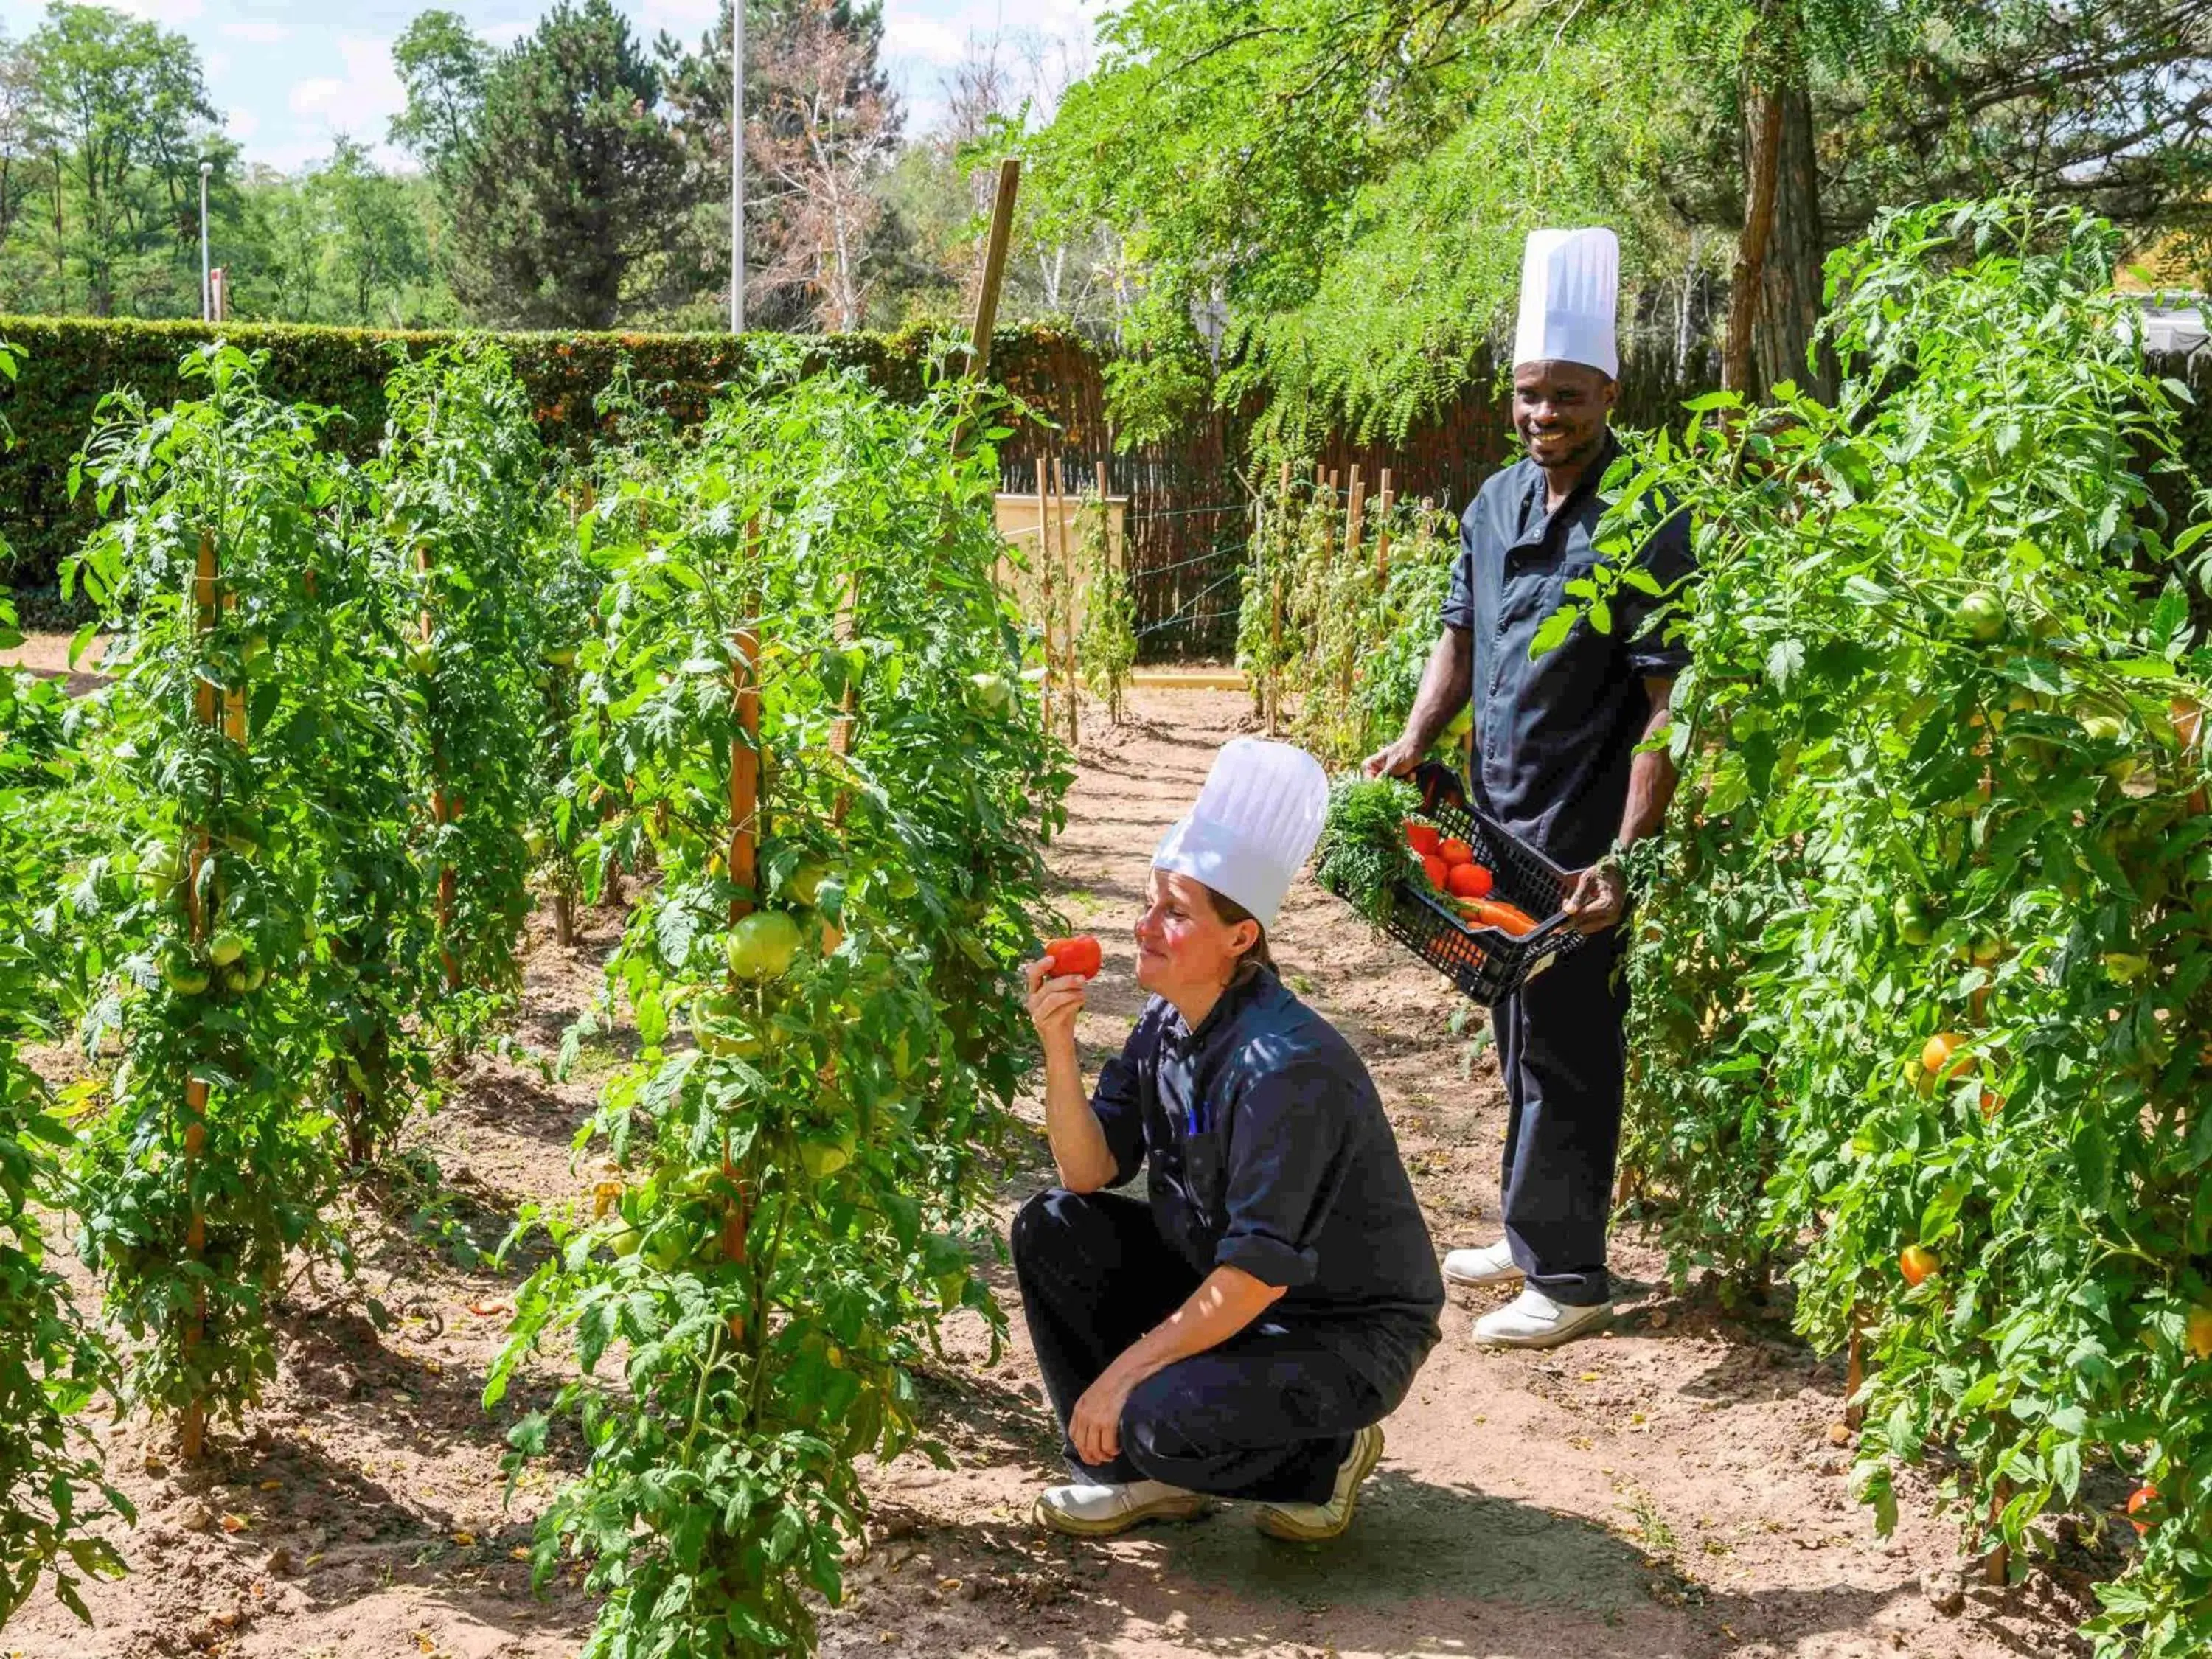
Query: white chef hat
{"type": "Point", "coordinates": [1256, 821]}
{"type": "Point", "coordinates": [1569, 289]}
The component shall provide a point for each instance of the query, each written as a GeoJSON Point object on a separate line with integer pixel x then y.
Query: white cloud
{"type": "Point", "coordinates": [359, 104]}
{"type": "Point", "coordinates": [241, 124]}
{"type": "Point", "coordinates": [170, 13]}
{"type": "Point", "coordinates": [257, 33]}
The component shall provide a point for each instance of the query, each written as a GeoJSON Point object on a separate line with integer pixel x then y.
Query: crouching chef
{"type": "Point", "coordinates": [1242, 1330]}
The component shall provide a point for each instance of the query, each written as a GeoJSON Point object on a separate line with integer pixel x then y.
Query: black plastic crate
{"type": "Point", "coordinates": [1486, 963]}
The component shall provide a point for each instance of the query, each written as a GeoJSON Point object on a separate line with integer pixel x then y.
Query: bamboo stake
{"type": "Point", "coordinates": [1355, 515]}
{"type": "Point", "coordinates": [1855, 1372]}
{"type": "Point", "coordinates": [1066, 603]}
{"type": "Point", "coordinates": [745, 759]}
{"type": "Point", "coordinates": [1275, 686]}
{"type": "Point", "coordinates": [191, 1428]}
{"type": "Point", "coordinates": [1384, 505]}
{"type": "Point", "coordinates": [1045, 593]}
{"type": "Point", "coordinates": [441, 813]}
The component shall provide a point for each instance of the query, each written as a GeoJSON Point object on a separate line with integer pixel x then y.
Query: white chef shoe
{"type": "Point", "coordinates": [1310, 1523]}
{"type": "Point", "coordinates": [1083, 1511]}
{"type": "Point", "coordinates": [1533, 1319]}
{"type": "Point", "coordinates": [1490, 1265]}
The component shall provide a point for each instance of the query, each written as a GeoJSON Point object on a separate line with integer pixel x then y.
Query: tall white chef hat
{"type": "Point", "coordinates": [1256, 821]}
{"type": "Point", "coordinates": [1569, 288]}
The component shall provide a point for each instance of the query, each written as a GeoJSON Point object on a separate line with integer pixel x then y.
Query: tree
{"type": "Point", "coordinates": [829, 125]}
{"type": "Point", "coordinates": [569, 183]}
{"type": "Point", "coordinates": [120, 109]}
{"type": "Point", "coordinates": [443, 67]}
{"type": "Point", "coordinates": [784, 75]}
{"type": "Point", "coordinates": [1347, 189]}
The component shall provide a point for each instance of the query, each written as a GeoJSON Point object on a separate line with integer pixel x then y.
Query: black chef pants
{"type": "Point", "coordinates": [1269, 1414]}
{"type": "Point", "coordinates": [1562, 1051]}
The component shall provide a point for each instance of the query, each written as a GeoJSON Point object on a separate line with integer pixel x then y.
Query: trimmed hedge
{"type": "Point", "coordinates": [72, 363]}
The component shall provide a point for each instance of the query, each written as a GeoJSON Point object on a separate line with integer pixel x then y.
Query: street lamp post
{"type": "Point", "coordinates": [737, 167]}
{"type": "Point", "coordinates": [207, 291]}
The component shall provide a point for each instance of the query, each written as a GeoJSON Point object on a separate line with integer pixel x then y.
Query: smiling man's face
{"type": "Point", "coordinates": [1560, 412]}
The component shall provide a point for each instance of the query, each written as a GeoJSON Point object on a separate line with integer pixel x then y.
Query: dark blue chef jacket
{"type": "Point", "coordinates": [1555, 735]}
{"type": "Point", "coordinates": [1266, 1148]}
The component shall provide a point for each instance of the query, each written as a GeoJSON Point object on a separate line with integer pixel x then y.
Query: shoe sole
{"type": "Point", "coordinates": [1276, 1524]}
{"type": "Point", "coordinates": [1589, 1326]}
{"type": "Point", "coordinates": [1482, 1281]}
{"type": "Point", "coordinates": [1164, 1508]}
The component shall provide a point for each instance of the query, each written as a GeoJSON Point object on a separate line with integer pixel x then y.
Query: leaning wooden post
{"type": "Point", "coordinates": [1855, 1372]}
{"type": "Point", "coordinates": [1355, 516]}
{"type": "Point", "coordinates": [1278, 568]}
{"type": "Point", "coordinates": [191, 1428]}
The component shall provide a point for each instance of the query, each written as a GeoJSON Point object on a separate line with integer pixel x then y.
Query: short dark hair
{"type": "Point", "coordinates": [1256, 955]}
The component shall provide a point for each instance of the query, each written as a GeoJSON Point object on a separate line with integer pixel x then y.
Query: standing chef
{"type": "Point", "coordinates": [1559, 755]}
{"type": "Point", "coordinates": [1242, 1330]}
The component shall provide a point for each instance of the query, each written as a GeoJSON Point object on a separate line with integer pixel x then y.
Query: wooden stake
{"type": "Point", "coordinates": [1382, 534]}
{"type": "Point", "coordinates": [1355, 516]}
{"type": "Point", "coordinates": [440, 814]}
{"type": "Point", "coordinates": [1855, 1372]}
{"type": "Point", "coordinates": [1066, 603]}
{"type": "Point", "coordinates": [745, 759]}
{"type": "Point", "coordinates": [1045, 593]}
{"type": "Point", "coordinates": [995, 266]}
{"type": "Point", "coordinates": [191, 1427]}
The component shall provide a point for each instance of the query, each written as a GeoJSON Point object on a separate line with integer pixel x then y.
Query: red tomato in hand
{"type": "Point", "coordinates": [1422, 838]}
{"type": "Point", "coordinates": [1454, 851]}
{"type": "Point", "coordinates": [1470, 881]}
{"type": "Point", "coordinates": [1079, 956]}
{"type": "Point", "coordinates": [1436, 870]}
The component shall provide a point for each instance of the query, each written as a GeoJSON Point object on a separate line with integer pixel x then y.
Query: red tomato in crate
{"type": "Point", "coordinates": [1079, 956]}
{"type": "Point", "coordinates": [1436, 870]}
{"type": "Point", "coordinates": [1454, 851]}
{"type": "Point", "coordinates": [1470, 881]}
{"type": "Point", "coordinates": [1422, 838]}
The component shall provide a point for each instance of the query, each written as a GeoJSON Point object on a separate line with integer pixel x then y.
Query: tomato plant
{"type": "Point", "coordinates": [1922, 972]}
{"type": "Point", "coordinates": [468, 520]}
{"type": "Point", "coordinates": [829, 1044]}
{"type": "Point", "coordinates": [205, 1163]}
{"type": "Point", "coordinates": [52, 1363]}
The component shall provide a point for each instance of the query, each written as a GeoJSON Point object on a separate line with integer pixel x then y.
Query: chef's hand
{"type": "Point", "coordinates": [1095, 1427]}
{"type": "Point", "coordinates": [1597, 898]}
{"type": "Point", "coordinates": [1397, 761]}
{"type": "Point", "coordinates": [1053, 1002]}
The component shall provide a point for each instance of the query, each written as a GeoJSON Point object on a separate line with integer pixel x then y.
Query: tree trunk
{"type": "Point", "coordinates": [1789, 295]}
{"type": "Point", "coordinates": [1762, 110]}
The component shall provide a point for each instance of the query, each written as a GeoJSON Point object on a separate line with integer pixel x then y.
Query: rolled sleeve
{"type": "Point", "coordinates": [1459, 600]}
{"type": "Point", "coordinates": [1118, 1102]}
{"type": "Point", "coordinates": [1286, 1167]}
{"type": "Point", "coordinates": [1654, 646]}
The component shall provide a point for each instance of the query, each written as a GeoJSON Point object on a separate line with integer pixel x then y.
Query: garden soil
{"type": "Point", "coordinates": [1677, 1486]}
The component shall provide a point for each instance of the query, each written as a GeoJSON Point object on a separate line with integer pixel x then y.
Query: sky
{"type": "Point", "coordinates": [289, 75]}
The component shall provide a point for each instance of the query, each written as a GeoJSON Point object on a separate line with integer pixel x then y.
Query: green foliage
{"type": "Point", "coordinates": [51, 1363]}
{"type": "Point", "coordinates": [800, 1133]}
{"type": "Point", "coordinates": [1362, 856]}
{"type": "Point", "coordinates": [1332, 637]}
{"type": "Point", "coordinates": [72, 363]}
{"type": "Point", "coordinates": [1106, 644]}
{"type": "Point", "coordinates": [1942, 776]}
{"type": "Point", "coordinates": [206, 1168]}
{"type": "Point", "coordinates": [115, 121]}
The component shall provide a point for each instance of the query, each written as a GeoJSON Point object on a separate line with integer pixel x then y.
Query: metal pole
{"type": "Point", "coordinates": [207, 291]}
{"type": "Point", "coordinates": [737, 167]}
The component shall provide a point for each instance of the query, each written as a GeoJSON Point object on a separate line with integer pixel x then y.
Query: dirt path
{"type": "Point", "coordinates": [1671, 1489]}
